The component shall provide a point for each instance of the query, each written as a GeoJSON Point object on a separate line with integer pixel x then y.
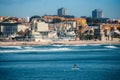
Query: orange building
{"type": "Point", "coordinates": [79, 21]}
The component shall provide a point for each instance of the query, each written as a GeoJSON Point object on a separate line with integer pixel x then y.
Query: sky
{"type": "Point", "coordinates": [23, 8]}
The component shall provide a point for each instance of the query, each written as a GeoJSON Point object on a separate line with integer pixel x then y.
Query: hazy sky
{"type": "Point", "coordinates": [23, 8]}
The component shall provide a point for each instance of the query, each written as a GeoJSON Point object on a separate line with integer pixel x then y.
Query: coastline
{"type": "Point", "coordinates": [87, 42]}
{"type": "Point", "coordinates": [23, 43]}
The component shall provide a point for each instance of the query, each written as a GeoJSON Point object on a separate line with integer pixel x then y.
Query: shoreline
{"type": "Point", "coordinates": [32, 43]}
{"type": "Point", "coordinates": [23, 43]}
{"type": "Point", "coordinates": [87, 42]}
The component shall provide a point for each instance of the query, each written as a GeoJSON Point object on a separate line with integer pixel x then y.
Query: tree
{"type": "Point", "coordinates": [35, 17]}
{"type": "Point", "coordinates": [1, 35]}
{"type": "Point", "coordinates": [57, 20]}
{"type": "Point", "coordinates": [27, 34]}
{"type": "Point", "coordinates": [21, 33]}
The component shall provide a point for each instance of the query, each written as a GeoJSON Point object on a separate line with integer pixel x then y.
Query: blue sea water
{"type": "Point", "coordinates": [56, 62]}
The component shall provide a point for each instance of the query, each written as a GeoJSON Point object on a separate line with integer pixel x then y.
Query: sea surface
{"type": "Point", "coordinates": [56, 62]}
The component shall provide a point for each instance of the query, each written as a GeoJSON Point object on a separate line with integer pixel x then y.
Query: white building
{"type": "Point", "coordinates": [39, 31]}
{"type": "Point", "coordinates": [53, 34]}
{"type": "Point", "coordinates": [27, 19]}
{"type": "Point", "coordinates": [12, 28]}
{"type": "Point", "coordinates": [42, 27]}
{"type": "Point", "coordinates": [72, 23]}
{"type": "Point", "coordinates": [22, 27]}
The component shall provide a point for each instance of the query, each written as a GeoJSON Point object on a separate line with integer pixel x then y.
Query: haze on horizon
{"type": "Point", "coordinates": [23, 8]}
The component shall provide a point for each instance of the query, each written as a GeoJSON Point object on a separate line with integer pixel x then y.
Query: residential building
{"type": "Point", "coordinates": [98, 32]}
{"type": "Point", "coordinates": [97, 13]}
{"type": "Point", "coordinates": [1, 18]}
{"type": "Point", "coordinates": [39, 30]}
{"type": "Point", "coordinates": [42, 27]}
{"type": "Point", "coordinates": [12, 28]}
{"type": "Point", "coordinates": [64, 29]}
{"type": "Point", "coordinates": [81, 22]}
{"type": "Point", "coordinates": [62, 12]}
{"type": "Point", "coordinates": [26, 19]}
{"type": "Point", "coordinates": [106, 31]}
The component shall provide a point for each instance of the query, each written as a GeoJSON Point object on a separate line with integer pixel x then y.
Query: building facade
{"type": "Point", "coordinates": [39, 31]}
{"type": "Point", "coordinates": [12, 28]}
{"type": "Point", "coordinates": [62, 12]}
{"type": "Point", "coordinates": [26, 19]}
{"type": "Point", "coordinates": [42, 27]}
{"type": "Point", "coordinates": [97, 13]}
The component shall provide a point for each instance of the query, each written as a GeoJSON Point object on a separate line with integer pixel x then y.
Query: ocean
{"type": "Point", "coordinates": [60, 62]}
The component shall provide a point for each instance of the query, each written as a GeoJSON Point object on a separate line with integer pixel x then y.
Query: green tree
{"type": "Point", "coordinates": [56, 20]}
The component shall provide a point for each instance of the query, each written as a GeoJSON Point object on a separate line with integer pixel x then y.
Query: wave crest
{"type": "Point", "coordinates": [17, 47]}
{"type": "Point", "coordinates": [110, 46]}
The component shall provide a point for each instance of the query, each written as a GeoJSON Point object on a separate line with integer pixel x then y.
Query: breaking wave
{"type": "Point", "coordinates": [110, 46]}
{"type": "Point", "coordinates": [56, 48]}
{"type": "Point", "coordinates": [29, 49]}
{"type": "Point", "coordinates": [60, 45]}
{"type": "Point", "coordinates": [94, 44]}
{"type": "Point", "coordinates": [50, 50]}
{"type": "Point", "coordinates": [16, 47]}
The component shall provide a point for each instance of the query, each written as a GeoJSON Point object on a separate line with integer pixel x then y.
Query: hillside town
{"type": "Point", "coordinates": [59, 27]}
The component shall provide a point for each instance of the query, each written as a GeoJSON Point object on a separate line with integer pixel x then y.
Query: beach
{"type": "Point", "coordinates": [22, 43]}
{"type": "Point", "coordinates": [87, 42]}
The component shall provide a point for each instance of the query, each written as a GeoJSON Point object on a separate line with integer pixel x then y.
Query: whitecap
{"type": "Point", "coordinates": [17, 47]}
{"type": "Point", "coordinates": [75, 69]}
{"type": "Point", "coordinates": [60, 49]}
{"type": "Point", "coordinates": [28, 47]}
{"type": "Point", "coordinates": [58, 45]}
{"type": "Point", "coordinates": [81, 45]}
{"type": "Point", "coordinates": [36, 50]}
{"type": "Point", "coordinates": [94, 44]}
{"type": "Point", "coordinates": [49, 50]}
{"type": "Point", "coordinates": [110, 46]}
{"type": "Point", "coordinates": [68, 45]}
{"type": "Point", "coordinates": [93, 49]}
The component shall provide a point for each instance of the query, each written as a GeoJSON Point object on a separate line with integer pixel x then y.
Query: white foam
{"type": "Point", "coordinates": [36, 50]}
{"type": "Point", "coordinates": [60, 49]}
{"type": "Point", "coordinates": [110, 46]}
{"type": "Point", "coordinates": [17, 47]}
{"type": "Point", "coordinates": [81, 45]}
{"type": "Point", "coordinates": [94, 44]}
{"type": "Point", "coordinates": [75, 69]}
{"type": "Point", "coordinates": [49, 50]}
{"type": "Point", "coordinates": [28, 47]}
{"type": "Point", "coordinates": [59, 45]}
{"type": "Point", "coordinates": [89, 49]}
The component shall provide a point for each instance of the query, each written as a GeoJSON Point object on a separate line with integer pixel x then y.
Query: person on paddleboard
{"type": "Point", "coordinates": [75, 66]}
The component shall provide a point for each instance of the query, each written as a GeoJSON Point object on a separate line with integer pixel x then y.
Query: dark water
{"type": "Point", "coordinates": [55, 62]}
